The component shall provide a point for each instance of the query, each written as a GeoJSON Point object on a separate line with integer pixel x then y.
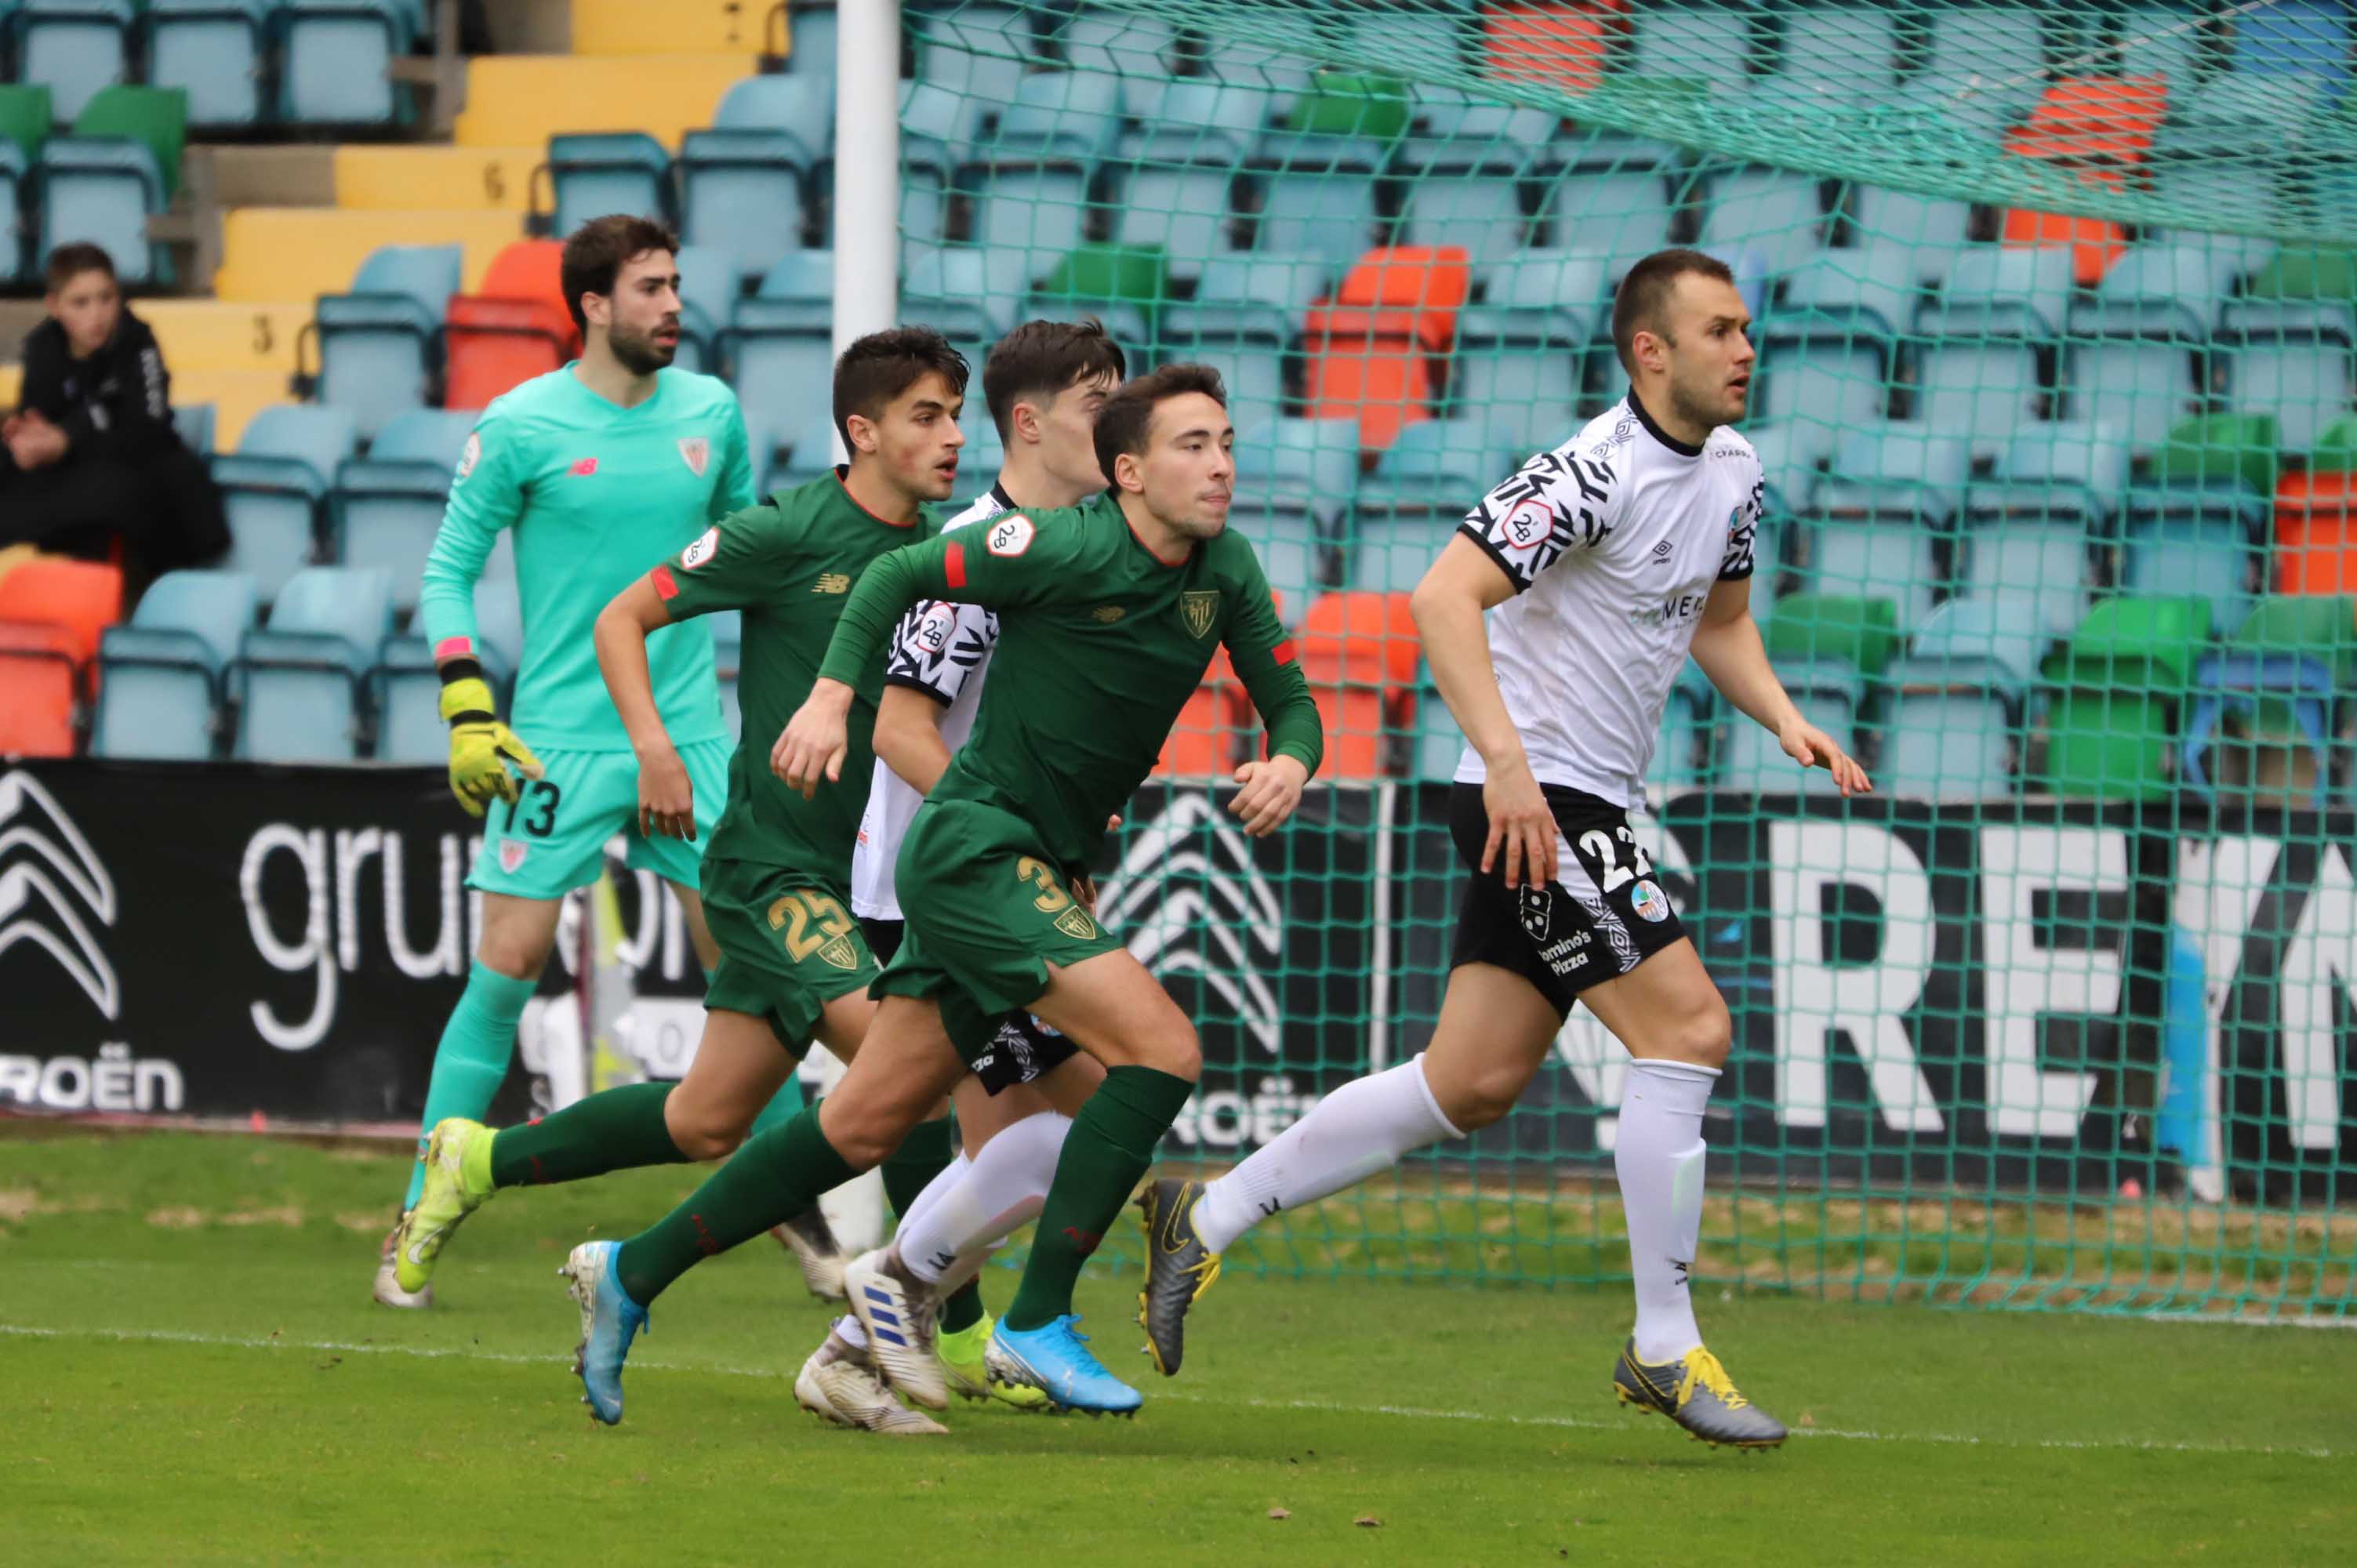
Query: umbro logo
{"type": "Point", "coordinates": [51, 895]}
{"type": "Point", "coordinates": [1663, 551]}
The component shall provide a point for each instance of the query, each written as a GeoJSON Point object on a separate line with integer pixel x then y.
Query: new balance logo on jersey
{"type": "Point", "coordinates": [833, 582]}
{"type": "Point", "coordinates": [46, 895]}
{"type": "Point", "coordinates": [584, 468]}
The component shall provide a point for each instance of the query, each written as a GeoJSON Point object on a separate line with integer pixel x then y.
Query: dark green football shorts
{"type": "Point", "coordinates": [788, 947]}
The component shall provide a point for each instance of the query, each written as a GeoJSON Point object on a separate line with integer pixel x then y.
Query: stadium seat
{"type": "Point", "coordinates": [1122, 288]}
{"type": "Point", "coordinates": [810, 39]}
{"type": "Point", "coordinates": [405, 689]}
{"type": "Point", "coordinates": [1837, 49]}
{"type": "Point", "coordinates": [73, 48]}
{"type": "Point", "coordinates": [103, 191]}
{"type": "Point", "coordinates": [15, 176]}
{"type": "Point", "coordinates": [1479, 197]}
{"type": "Point", "coordinates": [2211, 557]}
{"type": "Point", "coordinates": [1373, 352]}
{"type": "Point", "coordinates": [1830, 652]}
{"type": "Point", "coordinates": [742, 194]}
{"type": "Point", "coordinates": [2164, 41]}
{"type": "Point", "coordinates": [1958, 706]}
{"type": "Point", "coordinates": [2282, 678]}
{"type": "Point", "coordinates": [298, 679]}
{"type": "Point", "coordinates": [1623, 212]}
{"type": "Point", "coordinates": [707, 300]}
{"type": "Point", "coordinates": [936, 127]}
{"type": "Point", "coordinates": [797, 106]}
{"type": "Point", "coordinates": [335, 60]}
{"type": "Point", "coordinates": [1317, 193]}
{"type": "Point", "coordinates": [1829, 350]}
{"type": "Point", "coordinates": [2236, 450]}
{"type": "Point", "coordinates": [1214, 728]}
{"type": "Point", "coordinates": [591, 173]}
{"type": "Point", "coordinates": [1563, 48]}
{"type": "Point", "coordinates": [1875, 558]}
{"type": "Point", "coordinates": [379, 346]}
{"type": "Point", "coordinates": [2292, 37]}
{"type": "Point", "coordinates": [1179, 173]}
{"type": "Point", "coordinates": [805, 280]}
{"type": "Point", "coordinates": [1519, 353]}
{"type": "Point", "coordinates": [193, 423]}
{"type": "Point", "coordinates": [2001, 309]}
{"type": "Point", "coordinates": [1242, 321]}
{"type": "Point", "coordinates": [25, 117]}
{"type": "Point", "coordinates": [1896, 470]}
{"type": "Point", "coordinates": [388, 506]}
{"type": "Point", "coordinates": [1707, 44]}
{"type": "Point", "coordinates": [2295, 360]}
{"type": "Point", "coordinates": [2139, 359]}
{"type": "Point", "coordinates": [215, 51]}
{"type": "Point", "coordinates": [53, 612]}
{"type": "Point", "coordinates": [1030, 200]}
{"type": "Point", "coordinates": [1932, 228]}
{"type": "Point", "coordinates": [2316, 533]}
{"type": "Point", "coordinates": [781, 352]}
{"type": "Point", "coordinates": [1779, 213]}
{"type": "Point", "coordinates": [1789, 458]}
{"type": "Point", "coordinates": [2032, 530]}
{"type": "Point", "coordinates": [517, 327]}
{"type": "Point", "coordinates": [1438, 469]}
{"type": "Point", "coordinates": [969, 292]}
{"type": "Point", "coordinates": [980, 51]}
{"type": "Point", "coordinates": [275, 486]}
{"type": "Point", "coordinates": [1307, 467]}
{"type": "Point", "coordinates": [79, 598]}
{"type": "Point", "coordinates": [1286, 538]}
{"type": "Point", "coordinates": [1677, 762]}
{"type": "Point", "coordinates": [2119, 688]}
{"type": "Point", "coordinates": [1984, 64]}
{"type": "Point", "coordinates": [162, 676]}
{"type": "Point", "coordinates": [1360, 654]}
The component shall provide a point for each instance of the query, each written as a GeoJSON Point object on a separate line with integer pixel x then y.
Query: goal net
{"type": "Point", "coordinates": [2054, 308]}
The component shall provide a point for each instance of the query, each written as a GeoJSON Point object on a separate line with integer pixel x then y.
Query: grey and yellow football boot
{"type": "Point", "coordinates": [1695, 1391]}
{"type": "Point", "coordinates": [1178, 1268]}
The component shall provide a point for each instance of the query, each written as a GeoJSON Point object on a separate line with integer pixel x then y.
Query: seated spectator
{"type": "Point", "coordinates": [90, 464]}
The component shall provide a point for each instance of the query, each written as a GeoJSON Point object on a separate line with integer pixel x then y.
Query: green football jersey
{"type": "Point", "coordinates": [593, 492]}
{"type": "Point", "coordinates": [788, 562]}
{"type": "Point", "coordinates": [1100, 645]}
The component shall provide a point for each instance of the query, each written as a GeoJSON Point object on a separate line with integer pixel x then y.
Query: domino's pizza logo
{"type": "Point", "coordinates": [1009, 536]}
{"type": "Point", "coordinates": [1650, 903]}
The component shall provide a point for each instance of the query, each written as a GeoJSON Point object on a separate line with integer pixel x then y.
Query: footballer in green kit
{"type": "Point", "coordinates": [1109, 613]}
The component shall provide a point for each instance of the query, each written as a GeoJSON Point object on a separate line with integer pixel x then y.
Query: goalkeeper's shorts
{"type": "Point", "coordinates": [553, 838]}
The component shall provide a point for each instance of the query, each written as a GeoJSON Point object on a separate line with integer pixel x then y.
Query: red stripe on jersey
{"type": "Point", "coordinates": [665, 587]}
{"type": "Point", "coordinates": [1282, 652]}
{"type": "Point", "coordinates": [953, 566]}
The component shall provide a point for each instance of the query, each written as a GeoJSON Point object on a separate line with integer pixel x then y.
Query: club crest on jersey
{"type": "Point", "coordinates": [1198, 608]}
{"type": "Point", "coordinates": [697, 451]}
{"type": "Point", "coordinates": [511, 853]}
{"type": "Point", "coordinates": [1650, 902]}
{"type": "Point", "coordinates": [471, 454]}
{"type": "Point", "coordinates": [1076, 923]}
{"type": "Point", "coordinates": [840, 953]}
{"type": "Point", "coordinates": [1010, 535]}
{"type": "Point", "coordinates": [705, 547]}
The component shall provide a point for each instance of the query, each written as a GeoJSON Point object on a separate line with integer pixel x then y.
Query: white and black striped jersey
{"type": "Point", "coordinates": [944, 651]}
{"type": "Point", "coordinates": [1613, 541]}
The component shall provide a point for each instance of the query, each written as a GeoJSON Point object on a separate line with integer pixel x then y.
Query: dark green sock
{"type": "Point", "coordinates": [923, 1154]}
{"type": "Point", "coordinates": [775, 1175]}
{"type": "Point", "coordinates": [610, 1131]}
{"type": "Point", "coordinates": [1110, 1146]}
{"type": "Point", "coordinates": [963, 1308]}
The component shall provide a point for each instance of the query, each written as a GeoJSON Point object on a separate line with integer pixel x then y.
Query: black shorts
{"type": "Point", "coordinates": [1604, 916]}
{"type": "Point", "coordinates": [1024, 1048]}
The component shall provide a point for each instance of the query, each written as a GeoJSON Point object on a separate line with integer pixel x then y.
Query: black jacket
{"type": "Point", "coordinates": [117, 403]}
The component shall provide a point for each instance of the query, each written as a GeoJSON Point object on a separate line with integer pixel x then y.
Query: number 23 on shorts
{"type": "Point", "coordinates": [814, 923]}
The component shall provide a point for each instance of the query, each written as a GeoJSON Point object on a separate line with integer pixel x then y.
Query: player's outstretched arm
{"type": "Point", "coordinates": [1726, 645]}
{"type": "Point", "coordinates": [1465, 584]}
{"type": "Point", "coordinates": [666, 798]}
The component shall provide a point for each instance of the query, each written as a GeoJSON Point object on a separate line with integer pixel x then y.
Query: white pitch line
{"type": "Point", "coordinates": [1321, 1407]}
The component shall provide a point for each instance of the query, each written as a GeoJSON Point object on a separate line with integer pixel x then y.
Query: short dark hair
{"type": "Point", "coordinates": [69, 262]}
{"type": "Point", "coordinates": [881, 366]}
{"type": "Point", "coordinates": [594, 254]}
{"type": "Point", "coordinates": [1644, 295]}
{"type": "Point", "coordinates": [1128, 414]}
{"type": "Point", "coordinates": [1041, 358]}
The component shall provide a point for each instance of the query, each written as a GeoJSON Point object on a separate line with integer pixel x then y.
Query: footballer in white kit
{"type": "Point", "coordinates": [1555, 621]}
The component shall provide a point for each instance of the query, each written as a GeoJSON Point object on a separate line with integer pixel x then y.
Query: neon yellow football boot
{"type": "Point", "coordinates": [961, 1354]}
{"type": "Point", "coordinates": [457, 1181]}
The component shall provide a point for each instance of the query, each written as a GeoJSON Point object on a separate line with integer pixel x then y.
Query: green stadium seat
{"type": "Point", "coordinates": [2221, 449]}
{"type": "Point", "coordinates": [2335, 451]}
{"type": "Point", "coordinates": [1123, 285]}
{"type": "Point", "coordinates": [2119, 689]}
{"type": "Point", "coordinates": [25, 117]}
{"type": "Point", "coordinates": [157, 117]}
{"type": "Point", "coordinates": [1841, 628]}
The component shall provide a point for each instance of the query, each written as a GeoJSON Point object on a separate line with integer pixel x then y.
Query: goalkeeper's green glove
{"type": "Point", "coordinates": [481, 746]}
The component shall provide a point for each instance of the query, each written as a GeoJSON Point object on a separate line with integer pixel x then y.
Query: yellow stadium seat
{"type": "Point", "coordinates": [12, 379]}
{"type": "Point", "coordinates": [217, 335]}
{"type": "Point", "coordinates": [301, 253]}
{"type": "Point", "coordinates": [415, 179]}
{"type": "Point", "coordinates": [236, 397]}
{"type": "Point", "coordinates": [520, 100]}
{"type": "Point", "coordinates": [635, 27]}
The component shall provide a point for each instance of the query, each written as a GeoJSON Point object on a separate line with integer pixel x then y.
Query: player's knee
{"type": "Point", "coordinates": [1173, 1048]}
{"type": "Point", "coordinates": [863, 1135]}
{"type": "Point", "coordinates": [1704, 1036]}
{"type": "Point", "coordinates": [518, 955]}
{"type": "Point", "coordinates": [703, 1133]}
{"type": "Point", "coordinates": [1485, 1095]}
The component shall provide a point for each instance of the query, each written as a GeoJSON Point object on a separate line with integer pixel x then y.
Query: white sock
{"type": "Point", "coordinates": [1362, 1128]}
{"type": "Point", "coordinates": [847, 1326]}
{"type": "Point", "coordinates": [1002, 1190]}
{"type": "Point", "coordinates": [1658, 1152]}
{"type": "Point", "coordinates": [944, 1182]}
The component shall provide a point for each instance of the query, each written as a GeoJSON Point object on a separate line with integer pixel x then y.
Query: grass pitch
{"type": "Point", "coordinates": [191, 1373]}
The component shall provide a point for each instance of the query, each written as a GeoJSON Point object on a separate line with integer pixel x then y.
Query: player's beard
{"type": "Point", "coordinates": [1705, 409]}
{"type": "Point", "coordinates": [639, 353]}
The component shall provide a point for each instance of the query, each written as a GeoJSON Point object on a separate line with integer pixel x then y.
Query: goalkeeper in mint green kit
{"type": "Point", "coordinates": [599, 468]}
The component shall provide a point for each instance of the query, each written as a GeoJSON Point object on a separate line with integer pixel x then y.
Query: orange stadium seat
{"type": "Point", "coordinates": [51, 613]}
{"type": "Point", "coordinates": [1209, 734]}
{"type": "Point", "coordinates": [1546, 41]}
{"type": "Point", "coordinates": [80, 598]}
{"type": "Point", "coordinates": [1359, 651]}
{"type": "Point", "coordinates": [2096, 117]}
{"type": "Point", "coordinates": [517, 327]}
{"type": "Point", "coordinates": [2316, 534]}
{"type": "Point", "coordinates": [1372, 353]}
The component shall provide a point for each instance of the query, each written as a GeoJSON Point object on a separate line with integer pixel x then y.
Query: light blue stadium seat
{"type": "Point", "coordinates": [299, 678]}
{"type": "Point", "coordinates": [161, 682]}
{"type": "Point", "coordinates": [1899, 469]}
{"type": "Point", "coordinates": [193, 423]}
{"type": "Point", "coordinates": [808, 451]}
{"type": "Point", "coordinates": [388, 505]}
{"type": "Point", "coordinates": [2001, 308]}
{"type": "Point", "coordinates": [781, 355]}
{"type": "Point", "coordinates": [1881, 558]}
{"type": "Point", "coordinates": [969, 292]}
{"type": "Point", "coordinates": [936, 125]}
{"type": "Point", "coordinates": [1242, 321]}
{"type": "Point", "coordinates": [1032, 202]}
{"type": "Point", "coordinates": [2032, 529]}
{"type": "Point", "coordinates": [73, 48]}
{"type": "Point", "coordinates": [1318, 194]}
{"type": "Point", "coordinates": [406, 688]}
{"type": "Point", "coordinates": [1709, 44]}
{"type": "Point", "coordinates": [379, 346]}
{"type": "Point", "coordinates": [2294, 360]}
{"type": "Point", "coordinates": [1448, 126]}
{"type": "Point", "coordinates": [2140, 358]}
{"type": "Point", "coordinates": [1789, 460]}
{"type": "Point", "coordinates": [1624, 213]}
{"type": "Point", "coordinates": [805, 281]}
{"type": "Point", "coordinates": [1677, 761]}
{"type": "Point", "coordinates": [1985, 65]}
{"type": "Point", "coordinates": [1749, 761]}
{"type": "Point", "coordinates": [1301, 467]}
{"type": "Point", "coordinates": [101, 189]}
{"type": "Point", "coordinates": [1117, 44]}
{"type": "Point", "coordinates": [1286, 538]}
{"type": "Point", "coordinates": [2292, 37]}
{"type": "Point", "coordinates": [15, 172]}
{"type": "Point", "coordinates": [1427, 39]}
{"type": "Point", "coordinates": [1472, 198]}
{"type": "Point", "coordinates": [744, 183]}
{"type": "Point", "coordinates": [2211, 558]}
{"type": "Point", "coordinates": [1390, 553]}
{"type": "Point", "coordinates": [1932, 228]}
{"type": "Point", "coordinates": [1779, 213]}
{"type": "Point", "coordinates": [1278, 71]}
{"type": "Point", "coordinates": [276, 487]}
{"type": "Point", "coordinates": [983, 454]}
{"type": "Point", "coordinates": [1178, 190]}
{"type": "Point", "coordinates": [811, 39]}
{"type": "Point", "coordinates": [1436, 468]}
{"type": "Point", "coordinates": [336, 58]}
{"type": "Point", "coordinates": [708, 302]}
{"type": "Point", "coordinates": [801, 108]}
{"type": "Point", "coordinates": [2161, 40]}
{"type": "Point", "coordinates": [592, 174]}
{"type": "Point", "coordinates": [1072, 112]}
{"type": "Point", "coordinates": [1958, 702]}
{"type": "Point", "coordinates": [1852, 51]}
{"type": "Point", "coordinates": [1829, 348]}
{"type": "Point", "coordinates": [1521, 352]}
{"type": "Point", "coordinates": [215, 51]}
{"type": "Point", "coordinates": [979, 50]}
